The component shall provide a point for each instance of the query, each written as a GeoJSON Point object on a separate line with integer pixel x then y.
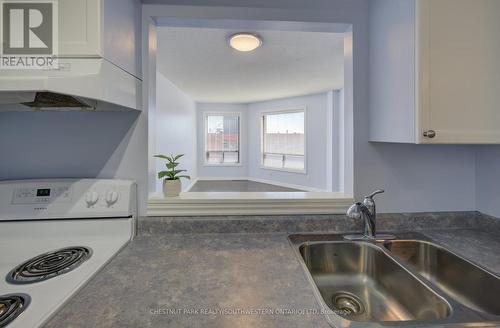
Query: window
{"type": "Point", "coordinates": [222, 139]}
{"type": "Point", "coordinates": [283, 140]}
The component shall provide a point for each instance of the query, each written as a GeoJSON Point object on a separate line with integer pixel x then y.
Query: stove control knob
{"type": "Point", "coordinates": [111, 197]}
{"type": "Point", "coordinates": [91, 198]}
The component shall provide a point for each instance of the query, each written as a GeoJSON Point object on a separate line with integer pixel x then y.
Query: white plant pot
{"type": "Point", "coordinates": [172, 188]}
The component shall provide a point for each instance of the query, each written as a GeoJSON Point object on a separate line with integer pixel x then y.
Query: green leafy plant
{"type": "Point", "coordinates": [172, 173]}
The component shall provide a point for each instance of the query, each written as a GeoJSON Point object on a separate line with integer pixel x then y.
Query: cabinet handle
{"type": "Point", "coordinates": [429, 134]}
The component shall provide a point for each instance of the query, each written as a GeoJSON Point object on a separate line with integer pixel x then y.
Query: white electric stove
{"type": "Point", "coordinates": [54, 236]}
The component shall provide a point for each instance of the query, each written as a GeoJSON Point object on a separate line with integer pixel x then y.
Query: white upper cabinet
{"type": "Point", "coordinates": [80, 28]}
{"type": "Point", "coordinates": [435, 71]}
{"type": "Point", "coordinates": [108, 29]}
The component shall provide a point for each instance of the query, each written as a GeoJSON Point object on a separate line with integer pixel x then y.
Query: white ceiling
{"type": "Point", "coordinates": [200, 62]}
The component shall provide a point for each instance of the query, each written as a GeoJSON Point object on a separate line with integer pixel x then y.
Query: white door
{"type": "Point", "coordinates": [459, 68]}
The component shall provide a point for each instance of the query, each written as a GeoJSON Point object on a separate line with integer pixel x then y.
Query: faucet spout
{"type": "Point", "coordinates": [370, 223]}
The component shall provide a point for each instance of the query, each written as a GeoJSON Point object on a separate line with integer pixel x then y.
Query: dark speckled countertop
{"type": "Point", "coordinates": [158, 277]}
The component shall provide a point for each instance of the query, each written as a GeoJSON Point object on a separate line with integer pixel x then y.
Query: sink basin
{"type": "Point", "coordinates": [462, 280]}
{"type": "Point", "coordinates": [360, 282]}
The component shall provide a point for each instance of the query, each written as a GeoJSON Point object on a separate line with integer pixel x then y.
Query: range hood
{"type": "Point", "coordinates": [45, 101]}
{"type": "Point", "coordinates": [56, 100]}
{"type": "Point", "coordinates": [78, 84]}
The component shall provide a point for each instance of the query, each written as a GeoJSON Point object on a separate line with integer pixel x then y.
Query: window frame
{"type": "Point", "coordinates": [205, 133]}
{"type": "Point", "coordinates": [262, 129]}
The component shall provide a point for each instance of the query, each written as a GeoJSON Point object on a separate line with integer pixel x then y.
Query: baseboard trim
{"type": "Point", "coordinates": [193, 182]}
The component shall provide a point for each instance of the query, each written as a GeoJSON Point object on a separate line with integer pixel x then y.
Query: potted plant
{"type": "Point", "coordinates": [171, 183]}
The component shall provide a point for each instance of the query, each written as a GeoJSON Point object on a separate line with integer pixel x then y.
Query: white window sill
{"type": "Point", "coordinates": [249, 203]}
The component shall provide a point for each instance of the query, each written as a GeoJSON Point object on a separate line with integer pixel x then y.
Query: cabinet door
{"type": "Point", "coordinates": [459, 70]}
{"type": "Point", "coordinates": [80, 28]}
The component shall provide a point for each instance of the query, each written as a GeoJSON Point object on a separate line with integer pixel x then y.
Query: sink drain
{"type": "Point", "coordinates": [347, 303]}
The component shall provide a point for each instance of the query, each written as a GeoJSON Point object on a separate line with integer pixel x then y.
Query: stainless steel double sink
{"type": "Point", "coordinates": [409, 281]}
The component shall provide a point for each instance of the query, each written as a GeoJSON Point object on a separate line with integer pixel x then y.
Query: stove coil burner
{"type": "Point", "coordinates": [49, 265]}
{"type": "Point", "coordinates": [11, 306]}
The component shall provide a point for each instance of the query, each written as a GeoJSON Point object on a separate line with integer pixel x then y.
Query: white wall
{"type": "Point", "coordinates": [392, 53]}
{"type": "Point", "coordinates": [208, 171]}
{"type": "Point", "coordinates": [316, 107]}
{"type": "Point", "coordinates": [417, 178]}
{"type": "Point", "coordinates": [175, 128]}
{"type": "Point", "coordinates": [122, 34]}
{"type": "Point", "coordinates": [82, 144]}
{"type": "Point", "coordinates": [61, 144]}
{"type": "Point", "coordinates": [488, 180]}
{"type": "Point", "coordinates": [149, 46]}
{"type": "Point", "coordinates": [74, 145]}
{"type": "Point", "coordinates": [319, 109]}
{"type": "Point", "coordinates": [420, 177]}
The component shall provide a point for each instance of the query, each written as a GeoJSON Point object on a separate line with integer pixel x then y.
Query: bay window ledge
{"type": "Point", "coordinates": [249, 203]}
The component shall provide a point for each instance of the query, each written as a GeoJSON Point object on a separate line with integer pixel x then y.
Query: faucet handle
{"type": "Point", "coordinates": [354, 212]}
{"type": "Point", "coordinates": [376, 192]}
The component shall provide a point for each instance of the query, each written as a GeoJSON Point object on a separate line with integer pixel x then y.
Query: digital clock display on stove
{"type": "Point", "coordinates": [43, 192]}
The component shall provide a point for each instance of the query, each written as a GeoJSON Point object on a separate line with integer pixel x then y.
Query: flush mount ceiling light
{"type": "Point", "coordinates": [245, 41]}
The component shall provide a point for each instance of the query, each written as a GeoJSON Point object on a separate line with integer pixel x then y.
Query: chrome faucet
{"type": "Point", "coordinates": [367, 211]}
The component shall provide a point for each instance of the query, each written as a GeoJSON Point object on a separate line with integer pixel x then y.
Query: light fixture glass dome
{"type": "Point", "coordinates": [244, 42]}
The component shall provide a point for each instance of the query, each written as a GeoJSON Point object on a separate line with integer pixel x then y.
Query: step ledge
{"type": "Point", "coordinates": [249, 203]}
